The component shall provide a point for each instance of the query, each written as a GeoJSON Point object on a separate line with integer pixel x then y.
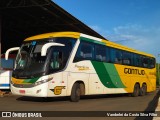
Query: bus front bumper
{"type": "Point", "coordinates": [36, 91]}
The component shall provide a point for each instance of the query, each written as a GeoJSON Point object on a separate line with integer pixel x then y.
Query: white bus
{"type": "Point", "coordinates": [75, 64]}
{"type": "Point", "coordinates": [6, 69]}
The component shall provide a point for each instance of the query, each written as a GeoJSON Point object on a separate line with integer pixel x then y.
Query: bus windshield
{"type": "Point", "coordinates": [29, 62]}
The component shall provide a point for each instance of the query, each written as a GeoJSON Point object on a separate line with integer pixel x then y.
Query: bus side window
{"type": "Point", "coordinates": [151, 63]}
{"type": "Point", "coordinates": [112, 55]}
{"type": "Point", "coordinates": [137, 60]}
{"type": "Point", "coordinates": [118, 58]}
{"type": "Point", "coordinates": [108, 55]}
{"type": "Point", "coordinates": [145, 61]}
{"type": "Point", "coordinates": [84, 52]}
{"type": "Point", "coordinates": [56, 60]}
{"type": "Point", "coordinates": [127, 58]}
{"type": "Point", "coordinates": [100, 53]}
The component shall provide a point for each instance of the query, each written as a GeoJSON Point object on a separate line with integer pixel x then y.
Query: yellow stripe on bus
{"type": "Point", "coordinates": [55, 34]}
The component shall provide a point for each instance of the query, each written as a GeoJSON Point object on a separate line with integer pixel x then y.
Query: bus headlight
{"type": "Point", "coordinates": [42, 81]}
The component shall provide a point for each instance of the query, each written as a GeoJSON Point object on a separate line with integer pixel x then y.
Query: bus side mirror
{"type": "Point", "coordinates": [10, 50]}
{"type": "Point", "coordinates": [48, 45]}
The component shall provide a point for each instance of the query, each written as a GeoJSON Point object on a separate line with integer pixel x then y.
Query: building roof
{"type": "Point", "coordinates": [25, 18]}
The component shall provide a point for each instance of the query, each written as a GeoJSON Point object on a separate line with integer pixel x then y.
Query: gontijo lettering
{"type": "Point", "coordinates": [134, 71]}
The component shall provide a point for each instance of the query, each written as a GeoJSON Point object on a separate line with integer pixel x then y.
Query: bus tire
{"type": "Point", "coordinates": [75, 93]}
{"type": "Point", "coordinates": [136, 90]}
{"type": "Point", "coordinates": [143, 90]}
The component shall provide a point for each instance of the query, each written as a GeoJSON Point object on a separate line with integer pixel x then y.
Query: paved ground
{"type": "Point", "coordinates": [90, 103]}
{"type": "Point", "coordinates": [157, 110]}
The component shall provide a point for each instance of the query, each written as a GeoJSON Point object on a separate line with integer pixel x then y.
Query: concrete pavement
{"type": "Point", "coordinates": [157, 110]}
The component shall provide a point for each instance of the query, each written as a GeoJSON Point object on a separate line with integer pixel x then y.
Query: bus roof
{"type": "Point", "coordinates": [78, 35]}
{"type": "Point", "coordinates": [54, 34]}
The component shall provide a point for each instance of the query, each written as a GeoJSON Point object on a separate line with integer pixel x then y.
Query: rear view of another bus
{"type": "Point", "coordinates": [6, 69]}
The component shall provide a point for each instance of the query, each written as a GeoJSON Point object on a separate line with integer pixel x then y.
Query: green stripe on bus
{"type": "Point", "coordinates": [90, 40]}
{"type": "Point", "coordinates": [112, 71]}
{"type": "Point", "coordinates": [103, 74]}
{"type": "Point", "coordinates": [108, 75]}
{"type": "Point", "coordinates": [30, 80]}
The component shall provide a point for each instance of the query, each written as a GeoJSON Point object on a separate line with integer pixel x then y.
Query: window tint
{"type": "Point", "coordinates": [60, 55]}
{"type": "Point", "coordinates": [56, 60]}
{"type": "Point", "coordinates": [151, 63]}
{"type": "Point", "coordinates": [112, 55]}
{"type": "Point", "coordinates": [116, 56]}
{"type": "Point", "coordinates": [108, 57]}
{"type": "Point", "coordinates": [91, 51]}
{"type": "Point", "coordinates": [145, 62]}
{"type": "Point", "coordinates": [127, 58]}
{"type": "Point", "coordinates": [100, 53]}
{"type": "Point", "coordinates": [137, 60]}
{"type": "Point", "coordinates": [85, 52]}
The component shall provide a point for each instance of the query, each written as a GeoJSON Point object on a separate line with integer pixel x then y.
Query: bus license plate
{"type": "Point", "coordinates": [22, 91]}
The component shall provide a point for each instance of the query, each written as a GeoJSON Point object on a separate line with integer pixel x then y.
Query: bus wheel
{"type": "Point", "coordinates": [75, 93]}
{"type": "Point", "coordinates": [135, 91]}
{"type": "Point", "coordinates": [143, 90]}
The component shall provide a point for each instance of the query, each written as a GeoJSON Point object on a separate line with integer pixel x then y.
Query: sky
{"type": "Point", "coordinates": [133, 23]}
